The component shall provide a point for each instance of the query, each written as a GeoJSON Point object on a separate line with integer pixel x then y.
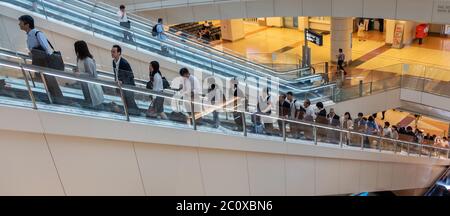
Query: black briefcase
{"type": "Point", "coordinates": [56, 61]}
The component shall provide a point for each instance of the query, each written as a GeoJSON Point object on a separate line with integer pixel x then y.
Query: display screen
{"type": "Point", "coordinates": [314, 37]}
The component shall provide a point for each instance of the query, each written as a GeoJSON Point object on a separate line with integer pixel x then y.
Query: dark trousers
{"type": "Point", "coordinates": [280, 126]}
{"type": "Point", "coordinates": [131, 103]}
{"type": "Point", "coordinates": [268, 127]}
{"type": "Point", "coordinates": [216, 119]}
{"type": "Point", "coordinates": [340, 65]}
{"type": "Point", "coordinates": [127, 35]}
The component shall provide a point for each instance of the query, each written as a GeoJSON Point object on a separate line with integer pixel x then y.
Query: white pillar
{"type": "Point", "coordinates": [232, 30]}
{"type": "Point", "coordinates": [303, 23]}
{"type": "Point", "coordinates": [341, 37]}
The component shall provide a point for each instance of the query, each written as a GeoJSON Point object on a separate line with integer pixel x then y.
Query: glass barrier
{"type": "Point", "coordinates": [79, 94]}
{"type": "Point", "coordinates": [92, 19]}
{"type": "Point", "coordinates": [14, 89]}
{"type": "Point", "coordinates": [430, 79]}
{"type": "Point", "coordinates": [140, 27]}
{"type": "Point", "coordinates": [102, 26]}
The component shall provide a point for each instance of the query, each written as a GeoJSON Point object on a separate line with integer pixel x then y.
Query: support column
{"type": "Point", "coordinates": [303, 23]}
{"type": "Point", "coordinates": [232, 30]}
{"type": "Point", "coordinates": [341, 38]}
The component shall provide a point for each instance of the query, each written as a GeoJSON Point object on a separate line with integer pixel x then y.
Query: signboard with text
{"type": "Point", "coordinates": [314, 37]}
{"type": "Point", "coordinates": [397, 41]}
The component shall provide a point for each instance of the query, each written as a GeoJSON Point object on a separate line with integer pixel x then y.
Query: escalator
{"type": "Point", "coordinates": [442, 186]}
{"type": "Point", "coordinates": [21, 85]}
{"type": "Point", "coordinates": [101, 21]}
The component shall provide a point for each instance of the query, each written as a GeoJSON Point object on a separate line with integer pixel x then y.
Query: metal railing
{"type": "Point", "coordinates": [203, 44]}
{"type": "Point", "coordinates": [178, 50]}
{"type": "Point", "coordinates": [313, 132]}
{"type": "Point", "coordinates": [101, 12]}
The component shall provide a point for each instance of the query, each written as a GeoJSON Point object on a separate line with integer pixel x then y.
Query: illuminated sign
{"type": "Point", "coordinates": [314, 37]}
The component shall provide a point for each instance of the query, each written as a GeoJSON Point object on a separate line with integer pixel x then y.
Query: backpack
{"type": "Point", "coordinates": [154, 31]}
{"type": "Point", "coordinates": [166, 84]}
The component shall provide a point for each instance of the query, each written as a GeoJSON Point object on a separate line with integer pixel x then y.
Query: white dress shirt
{"type": "Point", "coordinates": [123, 18]}
{"type": "Point", "coordinates": [310, 112]}
{"type": "Point", "coordinates": [158, 82]}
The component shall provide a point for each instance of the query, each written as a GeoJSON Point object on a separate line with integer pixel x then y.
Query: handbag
{"type": "Point", "coordinates": [126, 24]}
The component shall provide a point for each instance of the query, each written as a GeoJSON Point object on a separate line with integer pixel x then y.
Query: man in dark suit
{"type": "Point", "coordinates": [322, 113]}
{"type": "Point", "coordinates": [333, 120]}
{"type": "Point", "coordinates": [124, 75]}
{"type": "Point", "coordinates": [321, 119]}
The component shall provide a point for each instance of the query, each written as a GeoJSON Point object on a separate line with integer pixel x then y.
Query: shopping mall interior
{"type": "Point", "coordinates": [263, 97]}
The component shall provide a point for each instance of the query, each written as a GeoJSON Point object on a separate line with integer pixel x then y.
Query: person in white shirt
{"type": "Point", "coordinates": [347, 124]}
{"type": "Point", "coordinates": [158, 102]}
{"type": "Point", "coordinates": [361, 34]}
{"type": "Point", "coordinates": [387, 131]}
{"type": "Point", "coordinates": [191, 90]}
{"type": "Point", "coordinates": [190, 82]}
{"type": "Point", "coordinates": [265, 108]}
{"type": "Point", "coordinates": [125, 23]}
{"type": "Point", "coordinates": [445, 142]}
{"type": "Point", "coordinates": [310, 115]}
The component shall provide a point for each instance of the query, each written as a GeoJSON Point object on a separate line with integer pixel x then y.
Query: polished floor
{"type": "Point", "coordinates": [403, 119]}
{"type": "Point", "coordinates": [281, 48]}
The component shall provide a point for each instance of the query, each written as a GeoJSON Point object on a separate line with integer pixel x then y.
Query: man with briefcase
{"type": "Point", "coordinates": [42, 56]}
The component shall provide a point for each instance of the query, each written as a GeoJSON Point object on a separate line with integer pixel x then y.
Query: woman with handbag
{"type": "Point", "coordinates": [93, 93]}
{"type": "Point", "coordinates": [157, 106]}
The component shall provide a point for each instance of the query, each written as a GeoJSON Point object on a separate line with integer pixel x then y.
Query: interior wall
{"type": "Point", "coordinates": [46, 164]}
{"type": "Point", "coordinates": [370, 104]}
{"type": "Point", "coordinates": [47, 153]}
{"type": "Point", "coordinates": [428, 11]}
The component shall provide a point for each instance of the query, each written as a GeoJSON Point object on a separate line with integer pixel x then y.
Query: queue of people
{"type": "Point", "coordinates": [288, 106]}
{"type": "Point", "coordinates": [291, 109]}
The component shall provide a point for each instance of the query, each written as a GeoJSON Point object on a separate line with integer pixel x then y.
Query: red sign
{"type": "Point", "coordinates": [422, 31]}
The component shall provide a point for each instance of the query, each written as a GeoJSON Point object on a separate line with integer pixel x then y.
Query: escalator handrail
{"type": "Point", "coordinates": [177, 46]}
{"type": "Point", "coordinates": [143, 20]}
{"type": "Point", "coordinates": [134, 89]}
{"type": "Point", "coordinates": [141, 82]}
